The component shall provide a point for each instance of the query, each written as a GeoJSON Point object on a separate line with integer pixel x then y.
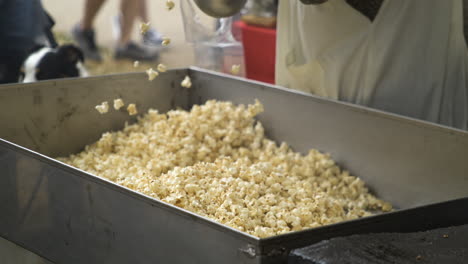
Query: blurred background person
{"type": "Point", "coordinates": [400, 56]}
{"type": "Point", "coordinates": [151, 38]}
{"type": "Point", "coordinates": [84, 33]}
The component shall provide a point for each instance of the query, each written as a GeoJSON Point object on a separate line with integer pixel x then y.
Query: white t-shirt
{"type": "Point", "coordinates": [411, 60]}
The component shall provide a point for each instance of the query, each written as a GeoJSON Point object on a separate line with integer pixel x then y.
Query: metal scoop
{"type": "Point", "coordinates": [220, 8]}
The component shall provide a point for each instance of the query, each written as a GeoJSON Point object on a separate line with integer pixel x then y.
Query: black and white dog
{"type": "Point", "coordinates": [52, 63]}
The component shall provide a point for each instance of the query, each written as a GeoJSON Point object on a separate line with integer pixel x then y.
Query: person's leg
{"type": "Point", "coordinates": [129, 9]}
{"type": "Point", "coordinates": [83, 32]}
{"type": "Point", "coordinates": [142, 13]}
{"type": "Point", "coordinates": [117, 22]}
{"type": "Point", "coordinates": [152, 36]}
{"type": "Point", "coordinates": [91, 9]}
{"type": "Point", "coordinates": [126, 49]}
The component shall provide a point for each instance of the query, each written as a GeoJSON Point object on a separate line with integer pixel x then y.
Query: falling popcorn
{"type": "Point", "coordinates": [166, 41]}
{"type": "Point", "coordinates": [152, 74]}
{"type": "Point", "coordinates": [118, 103]}
{"type": "Point", "coordinates": [144, 27]}
{"type": "Point", "coordinates": [187, 83]}
{"type": "Point", "coordinates": [170, 5]}
{"type": "Point", "coordinates": [102, 108]}
{"type": "Point", "coordinates": [132, 109]}
{"type": "Point", "coordinates": [162, 68]}
{"type": "Point", "coordinates": [136, 64]}
{"type": "Point", "coordinates": [235, 69]}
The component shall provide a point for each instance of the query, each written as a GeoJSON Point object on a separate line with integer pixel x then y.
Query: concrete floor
{"type": "Point", "coordinates": [169, 23]}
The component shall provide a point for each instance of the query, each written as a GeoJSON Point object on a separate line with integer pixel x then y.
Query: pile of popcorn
{"type": "Point", "coordinates": [215, 161]}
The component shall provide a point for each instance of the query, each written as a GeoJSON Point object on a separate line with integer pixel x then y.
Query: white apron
{"type": "Point", "coordinates": [411, 60]}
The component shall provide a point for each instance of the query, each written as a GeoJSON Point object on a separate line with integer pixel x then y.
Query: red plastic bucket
{"type": "Point", "coordinates": [259, 52]}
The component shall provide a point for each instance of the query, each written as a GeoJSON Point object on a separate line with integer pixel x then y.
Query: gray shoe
{"type": "Point", "coordinates": [132, 51]}
{"type": "Point", "coordinates": [85, 40]}
{"type": "Point", "coordinates": [152, 38]}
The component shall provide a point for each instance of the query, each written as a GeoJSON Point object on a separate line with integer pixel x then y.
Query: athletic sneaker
{"type": "Point", "coordinates": [133, 51]}
{"type": "Point", "coordinates": [85, 40]}
{"type": "Point", "coordinates": [152, 38]}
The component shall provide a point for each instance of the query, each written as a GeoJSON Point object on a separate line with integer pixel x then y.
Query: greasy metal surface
{"type": "Point", "coordinates": [405, 161]}
{"type": "Point", "coordinates": [443, 245]}
{"type": "Point", "coordinates": [70, 216]}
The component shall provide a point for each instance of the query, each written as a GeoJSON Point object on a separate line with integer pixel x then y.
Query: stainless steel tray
{"type": "Point", "coordinates": [69, 216]}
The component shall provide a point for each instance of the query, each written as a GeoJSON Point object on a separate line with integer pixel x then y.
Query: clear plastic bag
{"type": "Point", "coordinates": [215, 48]}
